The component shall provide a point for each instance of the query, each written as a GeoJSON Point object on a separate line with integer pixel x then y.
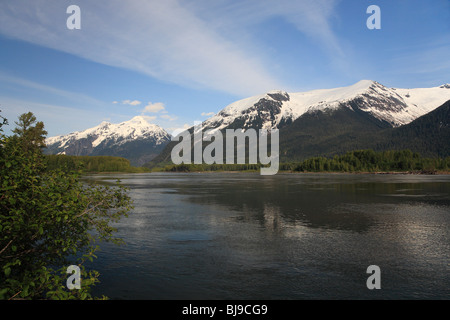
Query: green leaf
{"type": "Point", "coordinates": [25, 291]}
{"type": "Point", "coordinates": [3, 293]}
{"type": "Point", "coordinates": [59, 202]}
{"type": "Point", "coordinates": [7, 271]}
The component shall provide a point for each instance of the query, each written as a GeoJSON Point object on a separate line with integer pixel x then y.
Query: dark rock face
{"type": "Point", "coordinates": [262, 112]}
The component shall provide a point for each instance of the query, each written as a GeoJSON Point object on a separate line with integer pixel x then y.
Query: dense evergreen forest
{"type": "Point", "coordinates": [91, 164]}
{"type": "Point", "coordinates": [353, 161]}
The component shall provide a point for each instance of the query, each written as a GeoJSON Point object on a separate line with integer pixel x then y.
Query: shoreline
{"type": "Point", "coordinates": [428, 173]}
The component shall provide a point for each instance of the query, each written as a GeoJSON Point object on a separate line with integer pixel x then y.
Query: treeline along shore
{"type": "Point", "coordinates": [358, 161]}
{"type": "Point", "coordinates": [92, 164]}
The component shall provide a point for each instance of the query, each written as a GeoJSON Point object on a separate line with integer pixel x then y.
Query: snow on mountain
{"type": "Point", "coordinates": [134, 129]}
{"type": "Point", "coordinates": [136, 140]}
{"type": "Point", "coordinates": [271, 110]}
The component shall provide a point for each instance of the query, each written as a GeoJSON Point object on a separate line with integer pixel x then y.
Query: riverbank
{"type": "Point", "coordinates": [423, 172]}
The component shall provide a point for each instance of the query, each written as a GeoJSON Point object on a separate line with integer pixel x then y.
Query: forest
{"type": "Point", "coordinates": [91, 164]}
{"type": "Point", "coordinates": [353, 161]}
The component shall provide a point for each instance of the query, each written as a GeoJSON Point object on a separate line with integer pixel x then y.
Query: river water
{"type": "Point", "coordinates": [288, 236]}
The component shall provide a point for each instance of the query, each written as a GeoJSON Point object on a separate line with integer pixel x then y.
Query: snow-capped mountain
{"type": "Point", "coordinates": [136, 140]}
{"type": "Point", "coordinates": [277, 108]}
{"type": "Point", "coordinates": [332, 121]}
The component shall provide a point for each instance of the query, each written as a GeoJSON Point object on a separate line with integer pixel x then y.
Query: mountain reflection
{"type": "Point", "coordinates": [282, 202]}
{"type": "Point", "coordinates": [289, 236]}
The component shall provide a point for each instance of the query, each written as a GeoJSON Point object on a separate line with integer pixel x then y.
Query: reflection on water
{"type": "Point", "coordinates": [288, 236]}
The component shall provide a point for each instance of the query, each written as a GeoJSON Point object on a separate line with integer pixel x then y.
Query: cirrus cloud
{"type": "Point", "coordinates": [173, 41]}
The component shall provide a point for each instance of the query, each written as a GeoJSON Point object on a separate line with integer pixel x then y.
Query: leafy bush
{"type": "Point", "coordinates": [49, 220]}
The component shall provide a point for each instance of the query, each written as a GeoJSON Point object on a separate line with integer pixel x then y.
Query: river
{"type": "Point", "coordinates": [284, 237]}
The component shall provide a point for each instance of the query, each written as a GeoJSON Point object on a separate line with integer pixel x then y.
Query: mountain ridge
{"type": "Point", "coordinates": [276, 108]}
{"type": "Point", "coordinates": [136, 140]}
{"type": "Point", "coordinates": [326, 121]}
{"type": "Point", "coordinates": [312, 123]}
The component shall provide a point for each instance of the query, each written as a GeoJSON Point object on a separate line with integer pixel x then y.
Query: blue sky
{"type": "Point", "coordinates": [179, 61]}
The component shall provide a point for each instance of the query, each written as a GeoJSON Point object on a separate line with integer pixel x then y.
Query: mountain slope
{"type": "Point", "coordinates": [428, 135]}
{"type": "Point", "coordinates": [278, 108]}
{"type": "Point", "coordinates": [136, 140]}
{"type": "Point", "coordinates": [329, 132]}
{"type": "Point", "coordinates": [322, 133]}
{"type": "Point", "coordinates": [327, 121]}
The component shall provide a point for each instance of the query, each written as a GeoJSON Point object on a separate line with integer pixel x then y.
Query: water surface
{"type": "Point", "coordinates": [288, 236]}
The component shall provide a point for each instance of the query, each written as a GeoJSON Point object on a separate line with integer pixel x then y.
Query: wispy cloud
{"type": "Point", "coordinates": [55, 117]}
{"type": "Point", "coordinates": [311, 17]}
{"type": "Point", "coordinates": [168, 117]}
{"type": "Point", "coordinates": [207, 114]}
{"type": "Point", "coordinates": [429, 60]}
{"type": "Point", "coordinates": [170, 40]}
{"type": "Point", "coordinates": [131, 102]}
{"type": "Point", "coordinates": [27, 85]}
{"type": "Point", "coordinates": [154, 107]}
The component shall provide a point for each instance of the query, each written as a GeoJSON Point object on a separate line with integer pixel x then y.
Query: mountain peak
{"type": "Point", "coordinates": [445, 86]}
{"type": "Point", "coordinates": [364, 85]}
{"type": "Point", "coordinates": [365, 82]}
{"type": "Point", "coordinates": [277, 108]}
{"type": "Point", "coordinates": [278, 95]}
{"type": "Point", "coordinates": [138, 119]}
{"type": "Point", "coordinates": [113, 139]}
{"type": "Point", "coordinates": [139, 123]}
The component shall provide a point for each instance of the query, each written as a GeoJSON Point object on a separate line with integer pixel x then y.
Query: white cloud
{"type": "Point", "coordinates": [168, 117]}
{"type": "Point", "coordinates": [207, 114]}
{"type": "Point", "coordinates": [201, 43]}
{"type": "Point", "coordinates": [153, 107]}
{"type": "Point", "coordinates": [163, 39]}
{"type": "Point", "coordinates": [131, 103]}
{"type": "Point", "coordinates": [311, 17]}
